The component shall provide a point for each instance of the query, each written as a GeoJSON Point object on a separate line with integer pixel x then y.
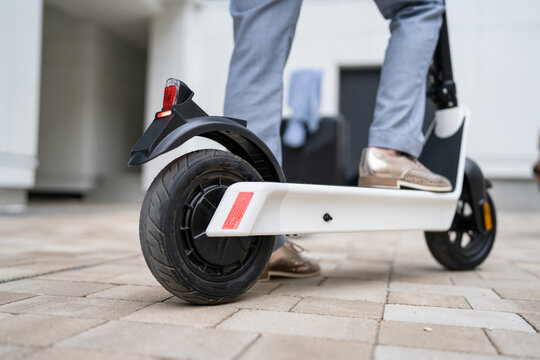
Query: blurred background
{"type": "Point", "coordinates": [80, 80]}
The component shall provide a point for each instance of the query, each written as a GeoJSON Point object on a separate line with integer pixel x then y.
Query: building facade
{"type": "Point", "coordinates": [80, 80]}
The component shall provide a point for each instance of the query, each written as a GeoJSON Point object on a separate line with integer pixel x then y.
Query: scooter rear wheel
{"type": "Point", "coordinates": [175, 213]}
{"type": "Point", "coordinates": [463, 247]}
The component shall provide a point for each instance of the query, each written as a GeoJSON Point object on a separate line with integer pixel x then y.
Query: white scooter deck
{"type": "Point", "coordinates": [266, 208]}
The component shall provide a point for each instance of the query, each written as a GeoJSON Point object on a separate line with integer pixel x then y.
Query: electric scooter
{"type": "Point", "coordinates": [209, 219]}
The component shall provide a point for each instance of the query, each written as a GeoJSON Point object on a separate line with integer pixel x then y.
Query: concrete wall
{"type": "Point", "coordinates": [91, 105]}
{"type": "Point", "coordinates": [20, 54]}
{"type": "Point", "coordinates": [493, 46]}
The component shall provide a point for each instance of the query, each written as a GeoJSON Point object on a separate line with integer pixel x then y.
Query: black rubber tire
{"type": "Point", "coordinates": [179, 255]}
{"type": "Point", "coordinates": [452, 255]}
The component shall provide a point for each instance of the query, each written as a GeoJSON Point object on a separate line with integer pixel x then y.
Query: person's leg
{"type": "Point", "coordinates": [400, 105]}
{"type": "Point", "coordinates": [395, 136]}
{"type": "Point", "coordinates": [263, 35]}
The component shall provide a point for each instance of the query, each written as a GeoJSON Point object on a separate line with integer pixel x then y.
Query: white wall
{"type": "Point", "coordinates": [91, 104]}
{"type": "Point", "coordinates": [493, 45]}
{"type": "Point", "coordinates": [20, 54]}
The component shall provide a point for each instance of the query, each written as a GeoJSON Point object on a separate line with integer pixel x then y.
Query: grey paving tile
{"type": "Point", "coordinates": [517, 306]}
{"type": "Point", "coordinates": [346, 289]}
{"type": "Point", "coordinates": [134, 293]}
{"type": "Point", "coordinates": [339, 307]}
{"type": "Point", "coordinates": [182, 314]}
{"type": "Point", "coordinates": [456, 317]}
{"type": "Point", "coordinates": [297, 324]}
{"type": "Point", "coordinates": [53, 287]}
{"type": "Point", "coordinates": [280, 347]}
{"type": "Point", "coordinates": [162, 340]}
{"type": "Point", "coordinates": [56, 353]}
{"type": "Point", "coordinates": [90, 308]}
{"type": "Point", "coordinates": [390, 352]}
{"type": "Point", "coordinates": [13, 352]}
{"type": "Point", "coordinates": [411, 298]}
{"type": "Point", "coordinates": [9, 297]}
{"type": "Point", "coordinates": [443, 289]}
{"type": "Point", "coordinates": [41, 330]}
{"type": "Point", "coordinates": [264, 287]}
{"type": "Point", "coordinates": [518, 293]}
{"type": "Point", "coordinates": [440, 337]}
{"type": "Point", "coordinates": [516, 343]}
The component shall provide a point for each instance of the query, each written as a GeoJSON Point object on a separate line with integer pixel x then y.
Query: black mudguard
{"type": "Point", "coordinates": [475, 183]}
{"type": "Point", "coordinates": [188, 120]}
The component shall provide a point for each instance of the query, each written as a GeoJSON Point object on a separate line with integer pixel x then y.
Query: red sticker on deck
{"type": "Point", "coordinates": [237, 211]}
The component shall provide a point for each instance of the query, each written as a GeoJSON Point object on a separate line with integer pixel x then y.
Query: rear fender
{"type": "Point", "coordinates": [188, 120]}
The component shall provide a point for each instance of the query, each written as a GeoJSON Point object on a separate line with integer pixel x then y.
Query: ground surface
{"type": "Point", "coordinates": [74, 286]}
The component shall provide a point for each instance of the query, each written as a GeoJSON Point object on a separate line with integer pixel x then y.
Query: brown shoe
{"type": "Point", "coordinates": [393, 169]}
{"type": "Point", "coordinates": [287, 261]}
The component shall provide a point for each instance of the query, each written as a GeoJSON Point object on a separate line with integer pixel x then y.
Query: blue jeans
{"type": "Point", "coordinates": [263, 34]}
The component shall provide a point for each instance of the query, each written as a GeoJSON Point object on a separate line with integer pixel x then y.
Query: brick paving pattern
{"type": "Point", "coordinates": [73, 285]}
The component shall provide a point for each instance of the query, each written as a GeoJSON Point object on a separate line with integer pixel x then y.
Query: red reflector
{"type": "Point", "coordinates": [164, 113]}
{"type": "Point", "coordinates": [237, 211]}
{"type": "Point", "coordinates": [169, 96]}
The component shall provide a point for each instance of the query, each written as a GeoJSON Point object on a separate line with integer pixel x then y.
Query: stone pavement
{"type": "Point", "coordinates": [74, 286]}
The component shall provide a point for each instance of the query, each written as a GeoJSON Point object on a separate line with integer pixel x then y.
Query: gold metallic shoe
{"type": "Point", "coordinates": [287, 261]}
{"type": "Point", "coordinates": [392, 169]}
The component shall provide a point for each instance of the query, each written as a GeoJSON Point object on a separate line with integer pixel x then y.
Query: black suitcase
{"type": "Point", "coordinates": [322, 160]}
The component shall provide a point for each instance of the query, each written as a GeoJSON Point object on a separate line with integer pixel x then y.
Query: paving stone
{"type": "Point", "coordinates": [279, 347]}
{"type": "Point", "coordinates": [182, 314]}
{"type": "Point", "coordinates": [96, 273]}
{"type": "Point", "coordinates": [265, 302]}
{"type": "Point", "coordinates": [517, 306]}
{"type": "Point", "coordinates": [143, 277]}
{"type": "Point", "coordinates": [449, 301]}
{"type": "Point", "coordinates": [521, 294]}
{"type": "Point", "coordinates": [456, 317]}
{"type": "Point", "coordinates": [516, 343]}
{"type": "Point", "coordinates": [347, 289]}
{"type": "Point", "coordinates": [254, 301]}
{"type": "Point", "coordinates": [364, 270]}
{"type": "Point", "coordinates": [533, 319]}
{"type": "Point", "coordinates": [41, 330]}
{"type": "Point", "coordinates": [12, 352]}
{"type": "Point", "coordinates": [53, 287]}
{"type": "Point", "coordinates": [441, 337]}
{"type": "Point", "coordinates": [284, 323]}
{"type": "Point", "coordinates": [9, 297]}
{"type": "Point", "coordinates": [422, 278]}
{"type": "Point", "coordinates": [499, 283]}
{"type": "Point", "coordinates": [90, 308]}
{"type": "Point", "coordinates": [13, 273]}
{"type": "Point", "coordinates": [134, 293]}
{"type": "Point", "coordinates": [339, 307]}
{"type": "Point", "coordinates": [264, 287]}
{"type": "Point", "coordinates": [506, 272]}
{"type": "Point", "coordinates": [56, 353]}
{"type": "Point", "coordinates": [162, 340]}
{"type": "Point", "coordinates": [442, 289]}
{"type": "Point", "coordinates": [389, 352]}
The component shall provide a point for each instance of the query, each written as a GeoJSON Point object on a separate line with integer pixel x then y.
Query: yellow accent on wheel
{"type": "Point", "coordinates": [487, 216]}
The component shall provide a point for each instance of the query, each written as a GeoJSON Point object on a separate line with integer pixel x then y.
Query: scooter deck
{"type": "Point", "coordinates": [265, 208]}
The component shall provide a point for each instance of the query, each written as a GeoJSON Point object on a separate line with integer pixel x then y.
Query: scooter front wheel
{"type": "Point", "coordinates": [463, 247]}
{"type": "Point", "coordinates": [175, 213]}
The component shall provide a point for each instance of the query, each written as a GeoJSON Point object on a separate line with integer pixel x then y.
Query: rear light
{"type": "Point", "coordinates": [164, 113]}
{"type": "Point", "coordinates": [171, 92]}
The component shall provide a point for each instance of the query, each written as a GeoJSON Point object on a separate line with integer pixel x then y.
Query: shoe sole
{"type": "Point", "coordinates": [283, 274]}
{"type": "Point", "coordinates": [372, 181]}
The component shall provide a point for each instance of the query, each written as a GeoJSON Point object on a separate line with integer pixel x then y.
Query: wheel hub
{"type": "Point", "coordinates": [222, 252]}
